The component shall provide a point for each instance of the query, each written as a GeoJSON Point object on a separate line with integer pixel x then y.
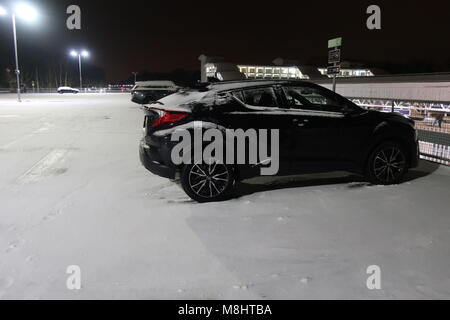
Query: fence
{"type": "Point", "coordinates": [432, 122]}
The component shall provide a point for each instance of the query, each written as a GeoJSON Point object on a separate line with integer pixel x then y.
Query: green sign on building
{"type": "Point", "coordinates": [333, 43]}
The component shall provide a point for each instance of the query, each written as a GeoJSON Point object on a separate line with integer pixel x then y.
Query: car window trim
{"type": "Point", "coordinates": [282, 110]}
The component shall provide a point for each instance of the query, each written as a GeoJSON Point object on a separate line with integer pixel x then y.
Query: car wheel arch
{"type": "Point", "coordinates": [383, 132]}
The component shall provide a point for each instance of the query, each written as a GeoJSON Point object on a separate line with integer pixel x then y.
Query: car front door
{"type": "Point", "coordinates": [317, 119]}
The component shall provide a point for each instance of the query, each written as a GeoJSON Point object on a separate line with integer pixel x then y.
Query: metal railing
{"type": "Point", "coordinates": [432, 121]}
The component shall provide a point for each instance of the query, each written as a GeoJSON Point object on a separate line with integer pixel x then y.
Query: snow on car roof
{"type": "Point", "coordinates": [156, 83]}
{"type": "Point", "coordinates": [179, 101]}
{"type": "Point", "coordinates": [230, 85]}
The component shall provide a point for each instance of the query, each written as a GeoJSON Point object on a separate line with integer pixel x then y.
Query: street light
{"type": "Point", "coordinates": [80, 54]}
{"type": "Point", "coordinates": [25, 12]}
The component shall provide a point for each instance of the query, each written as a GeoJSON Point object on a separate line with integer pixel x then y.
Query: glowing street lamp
{"type": "Point", "coordinates": [28, 13]}
{"type": "Point", "coordinates": [80, 54]}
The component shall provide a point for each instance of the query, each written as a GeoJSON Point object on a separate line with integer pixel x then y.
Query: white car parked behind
{"type": "Point", "coordinates": [62, 90]}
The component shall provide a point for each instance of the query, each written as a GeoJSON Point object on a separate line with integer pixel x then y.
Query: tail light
{"type": "Point", "coordinates": [166, 117]}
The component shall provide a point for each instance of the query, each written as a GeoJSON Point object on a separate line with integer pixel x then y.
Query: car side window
{"type": "Point", "coordinates": [295, 100]}
{"type": "Point", "coordinates": [311, 98]}
{"type": "Point", "coordinates": [260, 97]}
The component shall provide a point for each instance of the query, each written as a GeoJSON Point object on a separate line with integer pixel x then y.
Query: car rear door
{"type": "Point", "coordinates": [262, 108]}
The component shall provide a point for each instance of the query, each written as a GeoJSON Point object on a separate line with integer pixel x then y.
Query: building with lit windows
{"type": "Point", "coordinates": [215, 68]}
{"type": "Point", "coordinates": [347, 72]}
{"type": "Point", "coordinates": [271, 72]}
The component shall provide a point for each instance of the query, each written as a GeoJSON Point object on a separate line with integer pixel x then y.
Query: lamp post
{"type": "Point", "coordinates": [28, 13]}
{"type": "Point", "coordinates": [80, 54]}
{"type": "Point", "coordinates": [135, 75]}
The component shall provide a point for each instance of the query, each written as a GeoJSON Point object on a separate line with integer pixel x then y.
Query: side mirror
{"type": "Point", "coordinates": [349, 110]}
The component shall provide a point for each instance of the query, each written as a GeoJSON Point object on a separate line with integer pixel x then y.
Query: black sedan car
{"type": "Point", "coordinates": [319, 131]}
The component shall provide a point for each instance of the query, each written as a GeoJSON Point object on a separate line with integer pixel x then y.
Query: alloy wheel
{"type": "Point", "coordinates": [389, 164]}
{"type": "Point", "coordinates": [209, 180]}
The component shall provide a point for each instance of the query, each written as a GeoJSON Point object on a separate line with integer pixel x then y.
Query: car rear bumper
{"type": "Point", "coordinates": [150, 161]}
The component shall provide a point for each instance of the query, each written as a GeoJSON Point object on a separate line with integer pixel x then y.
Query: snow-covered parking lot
{"type": "Point", "coordinates": [73, 192]}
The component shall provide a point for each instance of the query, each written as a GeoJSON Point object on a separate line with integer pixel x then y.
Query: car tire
{"type": "Point", "coordinates": [207, 181]}
{"type": "Point", "coordinates": [387, 164]}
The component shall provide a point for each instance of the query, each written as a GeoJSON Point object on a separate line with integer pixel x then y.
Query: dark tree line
{"type": "Point", "coordinates": [43, 70]}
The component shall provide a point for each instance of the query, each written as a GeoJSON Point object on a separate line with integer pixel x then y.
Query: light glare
{"type": "Point", "coordinates": [3, 11]}
{"type": "Point", "coordinates": [25, 11]}
{"type": "Point", "coordinates": [73, 53]}
{"type": "Point", "coordinates": [85, 54]}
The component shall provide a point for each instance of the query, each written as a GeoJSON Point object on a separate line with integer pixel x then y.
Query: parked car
{"type": "Point", "coordinates": [319, 131]}
{"type": "Point", "coordinates": [146, 91]}
{"type": "Point", "coordinates": [62, 90]}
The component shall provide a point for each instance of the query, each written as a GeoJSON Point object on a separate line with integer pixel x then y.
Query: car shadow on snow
{"type": "Point", "coordinates": [424, 169]}
{"type": "Point", "coordinates": [261, 184]}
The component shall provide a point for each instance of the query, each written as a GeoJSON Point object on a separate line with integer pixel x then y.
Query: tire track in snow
{"type": "Point", "coordinates": [45, 167]}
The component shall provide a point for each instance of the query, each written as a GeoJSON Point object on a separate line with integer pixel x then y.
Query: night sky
{"type": "Point", "coordinates": [160, 36]}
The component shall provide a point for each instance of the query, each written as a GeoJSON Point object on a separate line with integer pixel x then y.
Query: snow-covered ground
{"type": "Point", "coordinates": [73, 192]}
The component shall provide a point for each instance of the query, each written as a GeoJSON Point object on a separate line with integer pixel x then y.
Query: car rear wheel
{"type": "Point", "coordinates": [387, 164]}
{"type": "Point", "coordinates": [207, 181]}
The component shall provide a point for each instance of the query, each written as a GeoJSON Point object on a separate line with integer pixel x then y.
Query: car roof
{"type": "Point", "coordinates": [234, 85]}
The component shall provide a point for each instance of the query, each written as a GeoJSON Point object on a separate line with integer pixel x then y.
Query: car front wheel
{"type": "Point", "coordinates": [207, 181]}
{"type": "Point", "coordinates": [387, 164]}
